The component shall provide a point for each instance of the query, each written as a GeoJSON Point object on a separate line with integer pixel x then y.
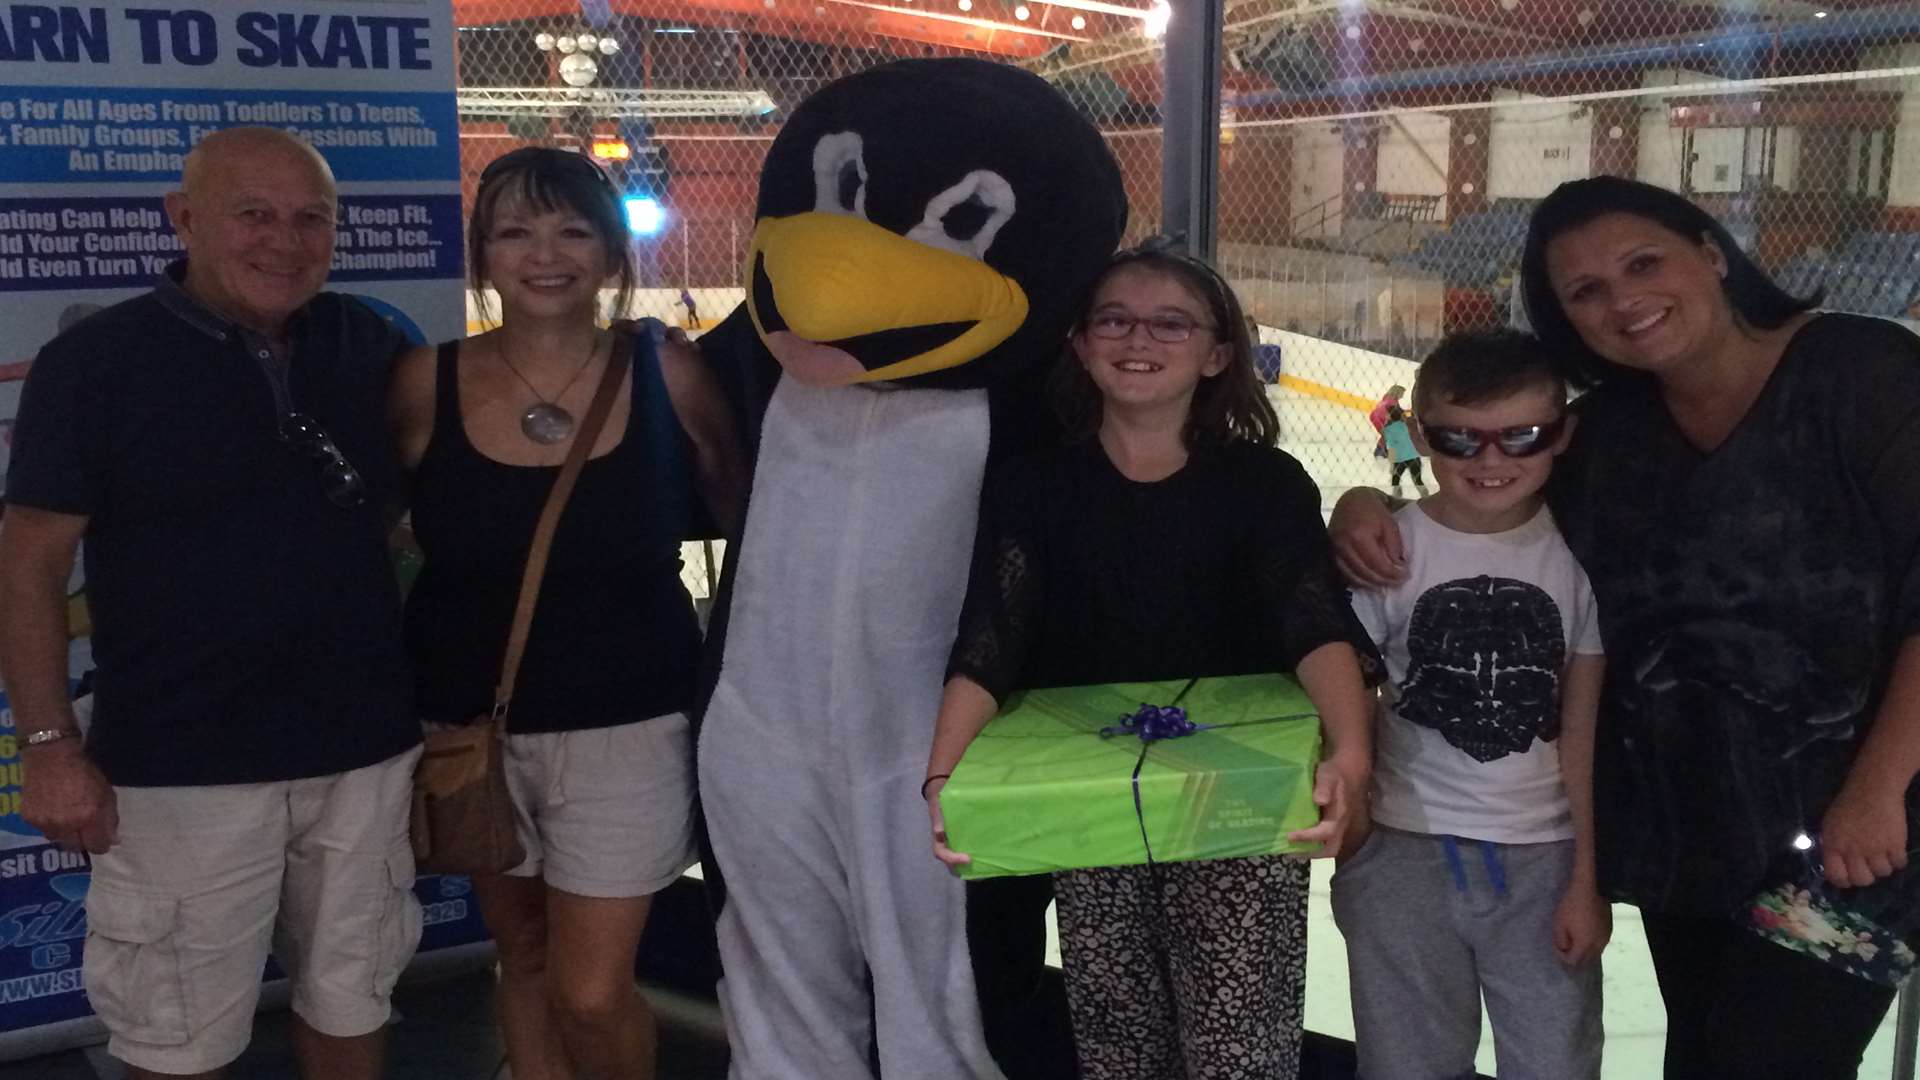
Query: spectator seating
{"type": "Point", "coordinates": [1873, 273]}
{"type": "Point", "coordinates": [1478, 249]}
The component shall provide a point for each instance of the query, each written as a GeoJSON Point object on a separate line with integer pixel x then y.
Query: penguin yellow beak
{"type": "Point", "coordinates": [840, 300]}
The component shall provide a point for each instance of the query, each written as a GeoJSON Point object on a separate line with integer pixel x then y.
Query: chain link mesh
{"type": "Point", "coordinates": [1378, 157]}
{"type": "Point", "coordinates": [694, 95]}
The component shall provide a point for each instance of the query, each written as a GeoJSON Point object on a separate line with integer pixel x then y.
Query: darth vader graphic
{"type": "Point", "coordinates": [1484, 665]}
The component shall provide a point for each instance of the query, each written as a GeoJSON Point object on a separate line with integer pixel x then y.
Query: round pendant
{"type": "Point", "coordinates": [546, 424]}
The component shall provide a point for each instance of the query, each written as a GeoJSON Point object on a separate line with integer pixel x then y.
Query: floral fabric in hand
{"type": "Point", "coordinates": [1808, 920]}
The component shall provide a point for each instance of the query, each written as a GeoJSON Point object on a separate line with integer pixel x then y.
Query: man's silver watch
{"type": "Point", "coordinates": [41, 738]}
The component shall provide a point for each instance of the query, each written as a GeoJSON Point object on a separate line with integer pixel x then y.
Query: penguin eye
{"type": "Point", "coordinates": [965, 221]}
{"type": "Point", "coordinates": [850, 181]}
{"type": "Point", "coordinates": [967, 216]}
{"type": "Point", "coordinates": [840, 175]}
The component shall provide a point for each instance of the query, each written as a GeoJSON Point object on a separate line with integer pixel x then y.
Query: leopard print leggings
{"type": "Point", "coordinates": [1231, 934]}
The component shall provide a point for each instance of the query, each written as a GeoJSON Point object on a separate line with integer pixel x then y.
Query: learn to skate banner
{"type": "Point", "coordinates": [101, 102]}
{"type": "Point", "coordinates": [99, 105]}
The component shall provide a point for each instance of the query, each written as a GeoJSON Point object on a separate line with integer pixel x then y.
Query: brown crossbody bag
{"type": "Point", "coordinates": [462, 820]}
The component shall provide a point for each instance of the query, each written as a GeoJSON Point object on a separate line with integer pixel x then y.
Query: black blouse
{"type": "Point", "coordinates": [1083, 576]}
{"type": "Point", "coordinates": [1752, 600]}
{"type": "Point", "coordinates": [613, 637]}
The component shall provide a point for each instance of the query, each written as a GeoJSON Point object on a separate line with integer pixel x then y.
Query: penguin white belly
{"type": "Point", "coordinates": [854, 565]}
{"type": "Point", "coordinates": [844, 608]}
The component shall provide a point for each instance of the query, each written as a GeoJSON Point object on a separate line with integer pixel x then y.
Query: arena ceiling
{"type": "Point", "coordinates": [1290, 56]}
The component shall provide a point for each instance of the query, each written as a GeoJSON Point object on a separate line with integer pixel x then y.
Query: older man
{"type": "Point", "coordinates": [219, 444]}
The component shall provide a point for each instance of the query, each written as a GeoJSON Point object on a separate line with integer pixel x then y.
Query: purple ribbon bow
{"type": "Point", "coordinates": [1154, 722]}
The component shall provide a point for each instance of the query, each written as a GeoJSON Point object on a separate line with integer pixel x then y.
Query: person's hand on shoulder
{"type": "Point", "coordinates": [1366, 541]}
{"type": "Point", "coordinates": [669, 334]}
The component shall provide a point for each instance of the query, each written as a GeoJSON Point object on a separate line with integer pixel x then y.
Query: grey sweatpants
{"type": "Point", "coordinates": [1427, 935]}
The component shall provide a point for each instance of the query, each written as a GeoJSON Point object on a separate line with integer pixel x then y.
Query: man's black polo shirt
{"type": "Point", "coordinates": [246, 629]}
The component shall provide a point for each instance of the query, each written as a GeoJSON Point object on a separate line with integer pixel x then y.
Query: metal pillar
{"type": "Point", "coordinates": [1190, 119]}
{"type": "Point", "coordinates": [1906, 1025]}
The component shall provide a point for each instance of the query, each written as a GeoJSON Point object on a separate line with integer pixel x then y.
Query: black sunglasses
{"type": "Point", "coordinates": [545, 159]}
{"type": "Point", "coordinates": [1518, 442]}
{"type": "Point", "coordinates": [338, 478]}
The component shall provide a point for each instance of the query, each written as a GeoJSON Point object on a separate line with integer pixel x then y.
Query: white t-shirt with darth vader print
{"type": "Point", "coordinates": [1476, 641]}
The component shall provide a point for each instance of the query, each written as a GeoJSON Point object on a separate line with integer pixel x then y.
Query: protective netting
{"type": "Point", "coordinates": [688, 98]}
{"type": "Point", "coordinates": [1377, 159]}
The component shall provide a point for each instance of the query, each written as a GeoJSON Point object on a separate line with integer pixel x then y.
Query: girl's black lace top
{"type": "Point", "coordinates": [1083, 576]}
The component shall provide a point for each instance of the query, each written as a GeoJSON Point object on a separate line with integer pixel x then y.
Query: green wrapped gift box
{"type": "Point", "coordinates": [1042, 790]}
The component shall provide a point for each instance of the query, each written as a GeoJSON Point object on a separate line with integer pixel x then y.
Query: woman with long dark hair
{"type": "Point", "coordinates": [1738, 493]}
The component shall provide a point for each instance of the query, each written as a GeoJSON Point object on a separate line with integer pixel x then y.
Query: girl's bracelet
{"type": "Point", "coordinates": [928, 782]}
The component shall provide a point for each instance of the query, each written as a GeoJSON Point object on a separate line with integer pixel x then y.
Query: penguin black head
{"type": "Point", "coordinates": [931, 223]}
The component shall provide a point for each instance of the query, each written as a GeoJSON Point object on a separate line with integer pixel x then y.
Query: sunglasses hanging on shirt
{"type": "Point", "coordinates": [338, 478]}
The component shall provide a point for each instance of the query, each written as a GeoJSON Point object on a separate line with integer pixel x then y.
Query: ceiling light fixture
{"type": "Point", "coordinates": [1101, 7]}
{"type": "Point", "coordinates": [965, 20]}
{"type": "Point", "coordinates": [1157, 18]}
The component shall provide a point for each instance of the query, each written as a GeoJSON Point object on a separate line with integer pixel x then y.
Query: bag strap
{"type": "Point", "coordinates": [577, 454]}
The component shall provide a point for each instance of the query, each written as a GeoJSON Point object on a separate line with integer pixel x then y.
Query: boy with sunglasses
{"type": "Point", "coordinates": [1478, 878]}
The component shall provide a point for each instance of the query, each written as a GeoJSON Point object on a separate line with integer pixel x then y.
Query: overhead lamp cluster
{"type": "Point", "coordinates": [586, 41]}
{"type": "Point", "coordinates": [577, 64]}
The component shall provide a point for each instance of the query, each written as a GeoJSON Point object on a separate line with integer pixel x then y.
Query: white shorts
{"type": "Point", "coordinates": [204, 882]}
{"type": "Point", "coordinates": [605, 812]}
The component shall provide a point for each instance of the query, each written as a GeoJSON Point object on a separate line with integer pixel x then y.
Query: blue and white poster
{"type": "Point", "coordinates": [99, 105]}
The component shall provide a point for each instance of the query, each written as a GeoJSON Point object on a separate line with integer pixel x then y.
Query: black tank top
{"type": "Point", "coordinates": [613, 638]}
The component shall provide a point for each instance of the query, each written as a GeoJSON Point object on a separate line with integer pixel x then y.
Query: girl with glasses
{"type": "Point", "coordinates": [598, 756]}
{"type": "Point", "coordinates": [1169, 539]}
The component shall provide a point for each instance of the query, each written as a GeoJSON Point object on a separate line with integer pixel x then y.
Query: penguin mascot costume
{"type": "Point", "coordinates": [925, 231]}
